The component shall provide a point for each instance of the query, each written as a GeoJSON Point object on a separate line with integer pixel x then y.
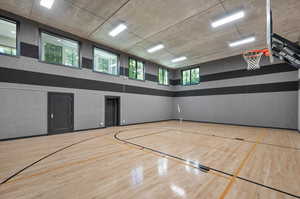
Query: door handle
{"type": "Point", "coordinates": [51, 116]}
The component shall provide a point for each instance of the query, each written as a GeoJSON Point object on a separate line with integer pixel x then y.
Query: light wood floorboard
{"type": "Point", "coordinates": [155, 160]}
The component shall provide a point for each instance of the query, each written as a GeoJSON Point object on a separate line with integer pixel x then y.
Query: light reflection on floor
{"type": "Point", "coordinates": [137, 176]}
{"type": "Point", "coordinates": [162, 166]}
{"type": "Point", "coordinates": [178, 190]}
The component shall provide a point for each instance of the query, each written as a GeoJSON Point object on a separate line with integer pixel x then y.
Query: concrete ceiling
{"type": "Point", "coordinates": [182, 26]}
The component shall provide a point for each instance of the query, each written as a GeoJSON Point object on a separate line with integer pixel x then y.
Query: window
{"type": "Point", "coordinates": [105, 62]}
{"type": "Point", "coordinates": [163, 77]}
{"type": "Point", "coordinates": [190, 76]}
{"type": "Point", "coordinates": [8, 37]}
{"type": "Point", "coordinates": [136, 69]}
{"type": "Point", "coordinates": [57, 50]}
{"type": "Point", "coordinates": [195, 76]}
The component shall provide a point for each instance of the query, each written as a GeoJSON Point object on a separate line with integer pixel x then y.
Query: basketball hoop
{"type": "Point", "coordinates": [253, 57]}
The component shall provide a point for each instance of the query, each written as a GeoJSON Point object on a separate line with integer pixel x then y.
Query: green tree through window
{"type": "Point", "coordinates": [140, 70]}
{"type": "Point", "coordinates": [8, 50]}
{"type": "Point", "coordinates": [57, 50]}
{"type": "Point", "coordinates": [190, 76]}
{"type": "Point", "coordinates": [8, 37]}
{"type": "Point", "coordinates": [53, 53]}
{"type": "Point", "coordinates": [105, 61]}
{"type": "Point", "coordinates": [136, 69]}
{"type": "Point", "coordinates": [195, 76]}
{"type": "Point", "coordinates": [71, 57]}
{"type": "Point", "coordinates": [163, 76]}
{"type": "Point", "coordinates": [132, 68]}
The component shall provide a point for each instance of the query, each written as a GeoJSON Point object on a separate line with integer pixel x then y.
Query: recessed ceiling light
{"type": "Point", "coordinates": [13, 32]}
{"type": "Point", "coordinates": [242, 41]}
{"type": "Point", "coordinates": [47, 3]}
{"type": "Point", "coordinates": [179, 59]}
{"type": "Point", "coordinates": [228, 19]}
{"type": "Point", "coordinates": [155, 48]}
{"type": "Point", "coordinates": [117, 30]}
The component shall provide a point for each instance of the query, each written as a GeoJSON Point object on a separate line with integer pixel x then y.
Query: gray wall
{"type": "Point", "coordinates": [269, 109]}
{"type": "Point", "coordinates": [24, 107]}
{"type": "Point", "coordinates": [259, 109]}
{"type": "Point", "coordinates": [22, 112]}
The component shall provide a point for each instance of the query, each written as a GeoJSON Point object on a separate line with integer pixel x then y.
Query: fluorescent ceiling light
{"type": "Point", "coordinates": [155, 48]}
{"type": "Point", "coordinates": [117, 30]}
{"type": "Point", "coordinates": [228, 19]}
{"type": "Point", "coordinates": [243, 41]}
{"type": "Point", "coordinates": [47, 3]}
{"type": "Point", "coordinates": [179, 59]}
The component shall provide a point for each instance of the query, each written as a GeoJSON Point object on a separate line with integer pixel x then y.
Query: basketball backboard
{"type": "Point", "coordinates": [269, 28]}
{"type": "Point", "coordinates": [279, 46]}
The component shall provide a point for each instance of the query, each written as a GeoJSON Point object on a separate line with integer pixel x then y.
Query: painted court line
{"type": "Point", "coordinates": [239, 169]}
{"type": "Point", "coordinates": [47, 156]}
{"type": "Point", "coordinates": [242, 140]}
{"type": "Point", "coordinates": [63, 166]}
{"type": "Point", "coordinates": [209, 169]}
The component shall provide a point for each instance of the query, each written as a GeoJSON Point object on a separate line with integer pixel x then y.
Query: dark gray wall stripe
{"type": "Point", "coordinates": [142, 90]}
{"type": "Point", "coordinates": [124, 71]}
{"type": "Point", "coordinates": [256, 88]}
{"type": "Point", "coordinates": [41, 79]}
{"type": "Point", "coordinates": [151, 77]}
{"type": "Point", "coordinates": [87, 63]}
{"type": "Point", "coordinates": [276, 68]}
{"type": "Point", "coordinates": [174, 82]}
{"type": "Point", "coordinates": [29, 50]}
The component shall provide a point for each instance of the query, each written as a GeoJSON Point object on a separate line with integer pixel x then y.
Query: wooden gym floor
{"type": "Point", "coordinates": [155, 160]}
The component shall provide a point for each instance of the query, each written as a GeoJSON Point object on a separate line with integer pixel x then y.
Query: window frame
{"type": "Point", "coordinates": [144, 69]}
{"type": "Point", "coordinates": [11, 20]}
{"type": "Point", "coordinates": [109, 51]}
{"type": "Point", "coordinates": [163, 68]}
{"type": "Point", "coordinates": [59, 36]}
{"type": "Point", "coordinates": [190, 71]}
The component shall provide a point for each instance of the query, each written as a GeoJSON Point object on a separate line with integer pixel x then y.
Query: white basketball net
{"type": "Point", "coordinates": [253, 59]}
